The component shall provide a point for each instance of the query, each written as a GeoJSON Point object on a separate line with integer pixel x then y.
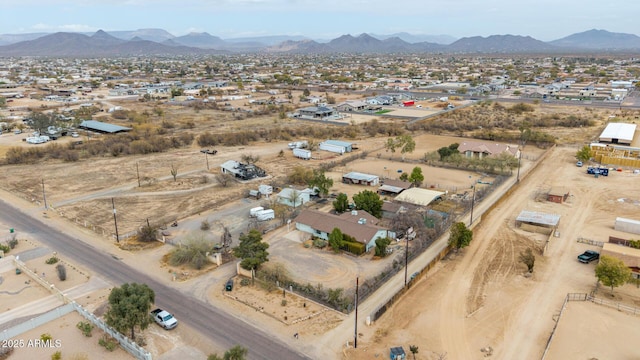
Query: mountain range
{"type": "Point", "coordinates": [161, 42]}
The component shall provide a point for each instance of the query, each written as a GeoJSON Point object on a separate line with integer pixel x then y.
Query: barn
{"type": "Point", "coordinates": [102, 127]}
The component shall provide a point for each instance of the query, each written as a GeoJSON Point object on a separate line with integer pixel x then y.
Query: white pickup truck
{"type": "Point", "coordinates": [164, 319]}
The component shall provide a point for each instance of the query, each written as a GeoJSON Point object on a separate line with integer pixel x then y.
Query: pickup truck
{"type": "Point", "coordinates": [164, 319]}
{"type": "Point", "coordinates": [588, 256]}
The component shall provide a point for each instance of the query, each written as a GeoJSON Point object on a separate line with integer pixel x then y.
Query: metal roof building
{"type": "Point", "coordinates": [420, 197]}
{"type": "Point", "coordinates": [347, 145]}
{"type": "Point", "coordinates": [618, 133]}
{"type": "Point", "coordinates": [538, 218]}
{"type": "Point", "coordinates": [102, 127]}
{"type": "Point", "coordinates": [360, 178]}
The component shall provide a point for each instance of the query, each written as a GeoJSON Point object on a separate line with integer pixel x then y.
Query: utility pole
{"type": "Point", "coordinates": [355, 335]}
{"type": "Point", "coordinates": [206, 156]}
{"type": "Point", "coordinates": [138, 172]}
{"type": "Point", "coordinates": [473, 199]}
{"type": "Point", "coordinates": [519, 157]}
{"type": "Point", "coordinates": [44, 196]}
{"type": "Point", "coordinates": [406, 259]}
{"type": "Point", "coordinates": [115, 220]}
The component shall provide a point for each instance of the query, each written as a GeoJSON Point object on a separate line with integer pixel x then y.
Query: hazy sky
{"type": "Point", "coordinates": [542, 19]}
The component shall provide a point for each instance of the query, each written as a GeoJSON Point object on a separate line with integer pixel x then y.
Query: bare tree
{"type": "Point", "coordinates": [224, 179]}
{"type": "Point", "coordinates": [250, 158]}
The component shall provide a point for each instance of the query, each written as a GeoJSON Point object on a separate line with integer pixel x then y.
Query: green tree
{"type": "Point", "coordinates": [416, 177]}
{"type": "Point", "coordinates": [414, 348]}
{"type": "Point", "coordinates": [405, 143]}
{"type": "Point", "coordinates": [236, 353]}
{"type": "Point", "coordinates": [612, 272]}
{"type": "Point", "coordinates": [252, 250]}
{"type": "Point", "coordinates": [306, 92]}
{"type": "Point", "coordinates": [369, 201]}
{"type": "Point", "coordinates": [341, 203]}
{"type": "Point", "coordinates": [41, 121]}
{"type": "Point", "coordinates": [381, 246]}
{"type": "Point", "coordinates": [584, 154]}
{"type": "Point", "coordinates": [321, 181]}
{"type": "Point", "coordinates": [526, 257]}
{"type": "Point", "coordinates": [460, 236]}
{"type": "Point", "coordinates": [336, 239]}
{"type": "Point", "coordinates": [447, 151]}
{"type": "Point", "coordinates": [404, 176]}
{"type": "Point", "coordinates": [129, 307]}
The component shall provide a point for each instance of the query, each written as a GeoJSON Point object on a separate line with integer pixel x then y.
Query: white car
{"type": "Point", "coordinates": [74, 135]}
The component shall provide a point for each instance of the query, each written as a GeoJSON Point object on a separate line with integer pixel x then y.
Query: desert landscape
{"type": "Point", "coordinates": [475, 303]}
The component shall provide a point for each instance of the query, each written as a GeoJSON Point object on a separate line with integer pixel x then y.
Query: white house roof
{"type": "Point", "coordinates": [418, 196]}
{"type": "Point", "coordinates": [620, 131]}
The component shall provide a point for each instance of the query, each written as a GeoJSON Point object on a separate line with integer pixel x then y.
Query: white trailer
{"type": "Point", "coordinates": [332, 148]}
{"type": "Point", "coordinates": [302, 154]}
{"type": "Point", "coordinates": [254, 211]}
{"type": "Point", "coordinates": [264, 215]}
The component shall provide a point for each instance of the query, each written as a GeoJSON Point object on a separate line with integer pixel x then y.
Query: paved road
{"type": "Point", "coordinates": [225, 330]}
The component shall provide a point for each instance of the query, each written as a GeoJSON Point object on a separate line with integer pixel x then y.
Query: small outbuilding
{"type": "Point", "coordinates": [558, 195]}
{"type": "Point", "coordinates": [628, 255]}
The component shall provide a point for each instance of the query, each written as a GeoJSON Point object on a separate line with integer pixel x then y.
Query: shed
{"type": "Point", "coordinates": [558, 195]}
{"type": "Point", "coordinates": [397, 353]}
{"type": "Point", "coordinates": [360, 179]}
{"type": "Point", "coordinates": [627, 225]}
{"type": "Point", "coordinates": [292, 197]}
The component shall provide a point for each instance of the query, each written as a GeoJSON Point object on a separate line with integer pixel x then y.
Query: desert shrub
{"type": "Point", "coordinates": [244, 282]}
{"type": "Point", "coordinates": [140, 340]}
{"type": "Point", "coordinates": [62, 272]}
{"type": "Point", "coordinates": [193, 252]}
{"type": "Point", "coordinates": [354, 247]}
{"type": "Point", "coordinates": [205, 225]}
{"type": "Point", "coordinates": [52, 260]}
{"type": "Point", "coordinates": [319, 243]}
{"type": "Point", "coordinates": [4, 248]}
{"type": "Point", "coordinates": [46, 337]}
{"type": "Point", "coordinates": [283, 302]}
{"type": "Point", "coordinates": [13, 243]}
{"type": "Point", "coordinates": [70, 156]}
{"type": "Point", "coordinates": [147, 233]}
{"type": "Point", "coordinates": [108, 342]}
{"type": "Point", "coordinates": [56, 355]}
{"type": "Point", "coordinates": [86, 328]}
{"type": "Point", "coordinates": [5, 352]}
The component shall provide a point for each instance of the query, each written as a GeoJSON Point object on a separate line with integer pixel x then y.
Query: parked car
{"type": "Point", "coordinates": [74, 135]}
{"type": "Point", "coordinates": [164, 319]}
{"type": "Point", "coordinates": [588, 256]}
{"type": "Point", "coordinates": [229, 285]}
{"type": "Point", "coordinates": [579, 164]}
